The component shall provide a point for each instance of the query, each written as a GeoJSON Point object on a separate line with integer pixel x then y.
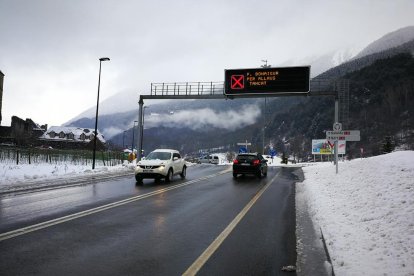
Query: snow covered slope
{"type": "Point", "coordinates": [388, 41]}
{"type": "Point", "coordinates": [366, 213]}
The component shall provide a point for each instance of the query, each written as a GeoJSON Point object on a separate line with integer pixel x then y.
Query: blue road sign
{"type": "Point", "coordinates": [242, 150]}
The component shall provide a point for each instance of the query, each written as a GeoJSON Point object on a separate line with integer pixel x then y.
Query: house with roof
{"type": "Point", "coordinates": [72, 138]}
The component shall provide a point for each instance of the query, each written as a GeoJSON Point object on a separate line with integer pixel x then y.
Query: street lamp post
{"type": "Point", "coordinates": [142, 127]}
{"type": "Point", "coordinates": [133, 137]}
{"type": "Point", "coordinates": [96, 116]}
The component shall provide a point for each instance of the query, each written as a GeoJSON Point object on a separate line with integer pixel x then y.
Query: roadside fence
{"type": "Point", "coordinates": [14, 155]}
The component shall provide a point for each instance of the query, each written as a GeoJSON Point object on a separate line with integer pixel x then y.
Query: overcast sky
{"type": "Point", "coordinates": [50, 49]}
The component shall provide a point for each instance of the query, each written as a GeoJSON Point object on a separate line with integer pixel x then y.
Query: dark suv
{"type": "Point", "coordinates": [250, 163]}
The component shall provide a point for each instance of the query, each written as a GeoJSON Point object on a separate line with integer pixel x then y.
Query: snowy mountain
{"type": "Point", "coordinates": [332, 59]}
{"type": "Point", "coordinates": [128, 100]}
{"type": "Point", "coordinates": [388, 41]}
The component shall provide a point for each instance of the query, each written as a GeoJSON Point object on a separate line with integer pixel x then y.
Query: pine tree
{"type": "Point", "coordinates": [388, 145]}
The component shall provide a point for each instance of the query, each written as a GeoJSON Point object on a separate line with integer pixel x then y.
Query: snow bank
{"type": "Point", "coordinates": [10, 174]}
{"type": "Point", "coordinates": [366, 213]}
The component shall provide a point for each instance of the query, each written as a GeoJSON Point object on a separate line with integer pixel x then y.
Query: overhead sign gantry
{"type": "Point", "coordinates": [249, 83]}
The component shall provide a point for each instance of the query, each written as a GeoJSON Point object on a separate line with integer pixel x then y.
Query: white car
{"type": "Point", "coordinates": [214, 159]}
{"type": "Point", "coordinates": [211, 159]}
{"type": "Point", "coordinates": [161, 163]}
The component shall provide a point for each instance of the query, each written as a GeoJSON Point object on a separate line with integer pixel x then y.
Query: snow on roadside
{"type": "Point", "coordinates": [11, 174]}
{"type": "Point", "coordinates": [14, 176]}
{"type": "Point", "coordinates": [366, 213]}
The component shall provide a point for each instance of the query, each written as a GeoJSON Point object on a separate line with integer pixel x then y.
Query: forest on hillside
{"type": "Point", "coordinates": [381, 107]}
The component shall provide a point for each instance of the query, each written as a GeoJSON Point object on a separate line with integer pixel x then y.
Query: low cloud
{"type": "Point", "coordinates": [201, 118]}
{"type": "Point", "coordinates": [111, 131]}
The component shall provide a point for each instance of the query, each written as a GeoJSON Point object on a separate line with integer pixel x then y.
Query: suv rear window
{"type": "Point", "coordinates": [247, 157]}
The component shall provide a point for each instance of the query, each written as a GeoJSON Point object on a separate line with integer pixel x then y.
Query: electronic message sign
{"type": "Point", "coordinates": [266, 81]}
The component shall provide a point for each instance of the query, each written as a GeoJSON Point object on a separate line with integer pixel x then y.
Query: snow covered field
{"type": "Point", "coordinates": [10, 173]}
{"type": "Point", "coordinates": [366, 212]}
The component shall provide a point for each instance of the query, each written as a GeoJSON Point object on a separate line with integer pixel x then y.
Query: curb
{"type": "Point", "coordinates": [328, 257]}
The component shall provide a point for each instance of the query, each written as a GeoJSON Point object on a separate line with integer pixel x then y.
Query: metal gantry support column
{"type": "Point", "coordinates": [264, 125]}
{"type": "Point", "coordinates": [140, 126]}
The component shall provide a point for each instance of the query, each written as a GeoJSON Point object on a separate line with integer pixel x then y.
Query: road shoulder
{"type": "Point", "coordinates": [311, 256]}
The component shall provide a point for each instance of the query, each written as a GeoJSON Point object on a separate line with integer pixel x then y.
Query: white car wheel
{"type": "Point", "coordinates": [169, 176]}
{"type": "Point", "coordinates": [184, 172]}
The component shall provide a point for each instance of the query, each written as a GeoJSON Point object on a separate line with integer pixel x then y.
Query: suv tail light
{"type": "Point", "coordinates": [256, 162]}
{"type": "Point", "coordinates": [235, 161]}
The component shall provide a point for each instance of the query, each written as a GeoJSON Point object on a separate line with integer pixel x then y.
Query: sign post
{"type": "Point", "coordinates": [341, 135]}
{"type": "Point", "coordinates": [245, 145]}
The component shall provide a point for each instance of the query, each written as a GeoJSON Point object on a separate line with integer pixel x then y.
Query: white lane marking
{"type": "Point", "coordinates": [35, 227]}
{"type": "Point", "coordinates": [198, 264]}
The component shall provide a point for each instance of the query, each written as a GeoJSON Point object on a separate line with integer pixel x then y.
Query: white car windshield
{"type": "Point", "coordinates": [158, 156]}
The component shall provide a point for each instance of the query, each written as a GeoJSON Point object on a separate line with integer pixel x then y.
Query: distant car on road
{"type": "Point", "coordinates": [250, 163]}
{"type": "Point", "coordinates": [204, 159]}
{"type": "Point", "coordinates": [214, 159]}
{"type": "Point", "coordinates": [161, 163]}
{"type": "Point", "coordinates": [210, 159]}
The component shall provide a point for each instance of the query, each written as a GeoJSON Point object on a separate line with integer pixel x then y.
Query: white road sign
{"type": "Point", "coordinates": [344, 135]}
{"type": "Point", "coordinates": [343, 138]}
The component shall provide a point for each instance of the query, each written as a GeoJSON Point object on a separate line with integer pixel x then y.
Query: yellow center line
{"type": "Point", "coordinates": [205, 256]}
{"type": "Point", "coordinates": [35, 227]}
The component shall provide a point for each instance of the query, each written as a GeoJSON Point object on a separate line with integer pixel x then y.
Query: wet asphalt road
{"type": "Point", "coordinates": [163, 233]}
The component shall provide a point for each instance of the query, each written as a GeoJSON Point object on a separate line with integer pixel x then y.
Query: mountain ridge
{"type": "Point", "coordinates": [388, 41]}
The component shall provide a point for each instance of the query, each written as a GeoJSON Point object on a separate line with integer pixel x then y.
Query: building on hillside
{"type": "Point", "coordinates": [71, 138]}
{"type": "Point", "coordinates": [21, 132]}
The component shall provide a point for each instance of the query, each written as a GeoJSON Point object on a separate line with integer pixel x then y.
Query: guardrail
{"type": "Point", "coordinates": [187, 89]}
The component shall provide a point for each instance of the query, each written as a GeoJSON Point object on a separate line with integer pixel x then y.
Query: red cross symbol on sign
{"type": "Point", "coordinates": [237, 82]}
